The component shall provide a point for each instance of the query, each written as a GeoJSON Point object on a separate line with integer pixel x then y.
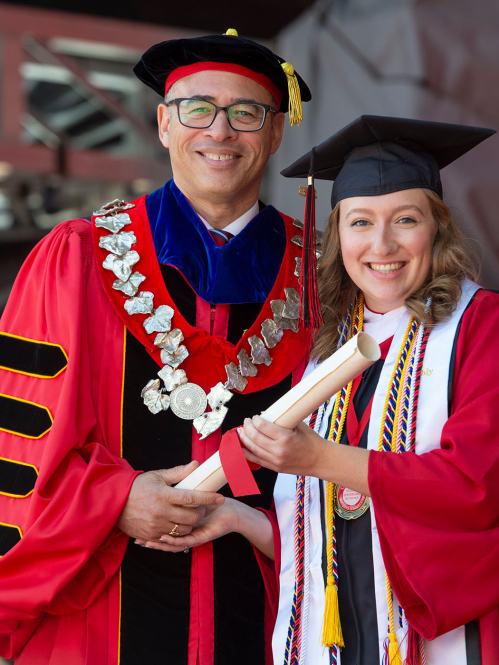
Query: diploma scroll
{"type": "Point", "coordinates": [324, 381]}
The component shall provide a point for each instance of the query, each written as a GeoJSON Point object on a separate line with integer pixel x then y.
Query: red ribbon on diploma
{"type": "Point", "coordinates": [236, 467]}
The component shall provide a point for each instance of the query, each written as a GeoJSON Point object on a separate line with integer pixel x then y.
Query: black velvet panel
{"type": "Point", "coordinates": [155, 585]}
{"type": "Point", "coordinates": [16, 479]}
{"type": "Point", "coordinates": [155, 602]}
{"type": "Point", "coordinates": [9, 536]}
{"type": "Point", "coordinates": [23, 418]}
{"type": "Point", "coordinates": [182, 294]}
{"type": "Point", "coordinates": [241, 318]}
{"type": "Point", "coordinates": [30, 357]}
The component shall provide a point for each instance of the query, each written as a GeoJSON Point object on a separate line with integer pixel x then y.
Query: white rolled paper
{"type": "Point", "coordinates": [323, 382]}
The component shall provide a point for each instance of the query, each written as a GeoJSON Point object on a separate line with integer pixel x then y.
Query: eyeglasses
{"type": "Point", "coordinates": [199, 114]}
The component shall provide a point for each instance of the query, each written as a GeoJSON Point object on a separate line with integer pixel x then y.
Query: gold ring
{"type": "Point", "coordinates": [174, 532]}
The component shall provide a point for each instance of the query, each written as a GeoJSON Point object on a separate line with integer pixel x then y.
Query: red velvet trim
{"type": "Point", "coordinates": [206, 604]}
{"type": "Point", "coordinates": [187, 70]}
{"type": "Point", "coordinates": [216, 351]}
{"type": "Point", "coordinates": [193, 642]}
{"type": "Point", "coordinates": [203, 314]}
{"type": "Point", "coordinates": [270, 572]}
{"type": "Point", "coordinates": [214, 319]}
{"type": "Point", "coordinates": [221, 321]}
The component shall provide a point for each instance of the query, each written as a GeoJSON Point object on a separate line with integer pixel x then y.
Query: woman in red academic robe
{"type": "Point", "coordinates": [386, 558]}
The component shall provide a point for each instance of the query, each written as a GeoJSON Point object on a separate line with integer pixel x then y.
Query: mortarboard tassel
{"type": "Point", "coordinates": [310, 308]}
{"type": "Point", "coordinates": [295, 107]}
{"type": "Point", "coordinates": [413, 647]}
{"type": "Point", "coordinates": [232, 32]}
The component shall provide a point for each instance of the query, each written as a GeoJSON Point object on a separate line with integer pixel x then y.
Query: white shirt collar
{"type": "Point", "coordinates": [382, 326]}
{"type": "Point", "coordinates": [238, 224]}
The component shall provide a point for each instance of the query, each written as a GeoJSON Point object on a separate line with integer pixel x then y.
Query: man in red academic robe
{"type": "Point", "coordinates": [199, 281]}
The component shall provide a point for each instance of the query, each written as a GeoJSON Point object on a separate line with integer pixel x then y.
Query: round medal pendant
{"type": "Point", "coordinates": [349, 504]}
{"type": "Point", "coordinates": [188, 401]}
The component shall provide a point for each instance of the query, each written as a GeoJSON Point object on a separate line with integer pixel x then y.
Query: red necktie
{"type": "Point", "coordinates": [220, 237]}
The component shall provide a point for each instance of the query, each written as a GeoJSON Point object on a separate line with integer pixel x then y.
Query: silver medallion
{"type": "Point", "coordinates": [113, 223]}
{"type": "Point", "coordinates": [188, 401]}
{"type": "Point", "coordinates": [246, 367]}
{"type": "Point", "coordinates": [160, 320]}
{"type": "Point", "coordinates": [271, 333]}
{"type": "Point", "coordinates": [259, 353]}
{"type": "Point", "coordinates": [121, 265]}
{"type": "Point", "coordinates": [141, 304]}
{"type": "Point", "coordinates": [234, 379]}
{"type": "Point", "coordinates": [176, 358]}
{"type": "Point", "coordinates": [131, 285]}
{"type": "Point", "coordinates": [119, 243]}
{"type": "Point", "coordinates": [209, 422]}
{"type": "Point", "coordinates": [172, 378]}
{"type": "Point", "coordinates": [169, 340]}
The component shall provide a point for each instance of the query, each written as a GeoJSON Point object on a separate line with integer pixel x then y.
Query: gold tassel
{"type": "Point", "coordinates": [232, 32]}
{"type": "Point", "coordinates": [394, 657]}
{"type": "Point", "coordinates": [295, 108]}
{"type": "Point", "coordinates": [331, 632]}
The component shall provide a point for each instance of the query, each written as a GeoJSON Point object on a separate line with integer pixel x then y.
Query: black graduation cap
{"type": "Point", "coordinates": [161, 60]}
{"type": "Point", "coordinates": [371, 156]}
{"type": "Point", "coordinates": [376, 155]}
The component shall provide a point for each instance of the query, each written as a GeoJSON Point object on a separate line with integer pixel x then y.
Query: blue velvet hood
{"type": "Point", "coordinates": [243, 271]}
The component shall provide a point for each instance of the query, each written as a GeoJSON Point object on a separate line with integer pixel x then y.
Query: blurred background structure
{"type": "Point", "coordinates": [77, 129]}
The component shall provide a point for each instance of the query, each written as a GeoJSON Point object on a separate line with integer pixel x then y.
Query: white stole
{"type": "Point", "coordinates": [448, 649]}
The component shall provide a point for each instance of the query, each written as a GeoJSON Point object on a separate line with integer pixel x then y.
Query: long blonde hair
{"type": "Point", "coordinates": [450, 265]}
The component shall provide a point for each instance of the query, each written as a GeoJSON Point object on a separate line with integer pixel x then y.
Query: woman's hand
{"type": "Point", "coordinates": [302, 452]}
{"type": "Point", "coordinates": [232, 516]}
{"type": "Point", "coordinates": [215, 523]}
{"type": "Point", "coordinates": [298, 451]}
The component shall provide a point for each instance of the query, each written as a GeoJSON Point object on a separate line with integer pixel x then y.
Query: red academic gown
{"type": "Point", "coordinates": [61, 580]}
{"type": "Point", "coordinates": [437, 514]}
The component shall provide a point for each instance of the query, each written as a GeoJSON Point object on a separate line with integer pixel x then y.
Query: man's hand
{"type": "Point", "coordinates": [154, 507]}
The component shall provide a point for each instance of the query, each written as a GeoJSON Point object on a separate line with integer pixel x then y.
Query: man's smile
{"type": "Point", "coordinates": [219, 157]}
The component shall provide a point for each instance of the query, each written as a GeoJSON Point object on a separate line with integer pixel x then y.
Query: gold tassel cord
{"type": "Point", "coordinates": [332, 633]}
{"type": "Point", "coordinates": [331, 630]}
{"type": "Point", "coordinates": [295, 107]}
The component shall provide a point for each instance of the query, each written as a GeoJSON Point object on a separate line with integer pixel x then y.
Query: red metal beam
{"type": "Point", "coordinates": [45, 24]}
{"type": "Point", "coordinates": [108, 100]}
{"type": "Point", "coordinates": [88, 164]}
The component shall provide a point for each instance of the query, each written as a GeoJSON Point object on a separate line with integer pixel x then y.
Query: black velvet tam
{"type": "Point", "coordinates": [377, 155]}
{"type": "Point", "coordinates": [161, 59]}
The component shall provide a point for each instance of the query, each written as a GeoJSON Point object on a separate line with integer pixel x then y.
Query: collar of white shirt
{"type": "Point", "coordinates": [382, 326]}
{"type": "Point", "coordinates": [238, 224]}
